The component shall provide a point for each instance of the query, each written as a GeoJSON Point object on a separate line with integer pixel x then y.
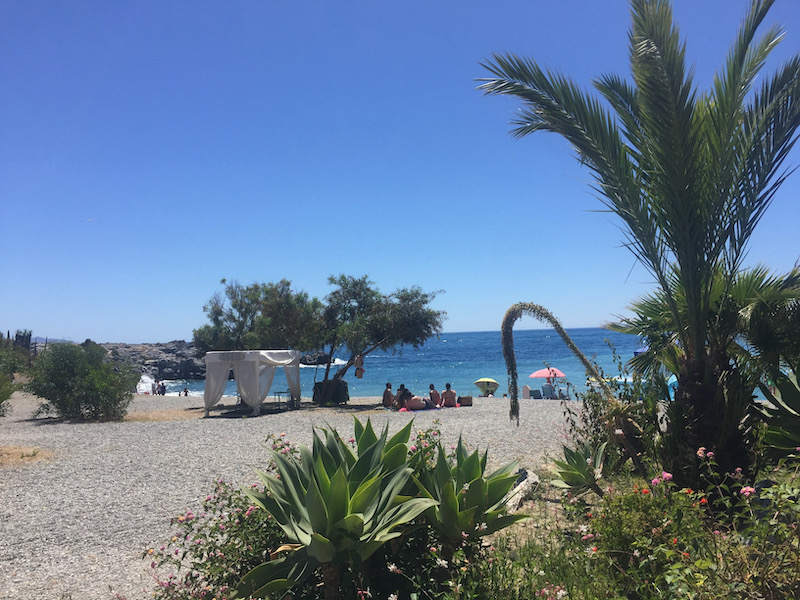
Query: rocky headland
{"type": "Point", "coordinates": [171, 360]}
{"type": "Point", "coordinates": [174, 360]}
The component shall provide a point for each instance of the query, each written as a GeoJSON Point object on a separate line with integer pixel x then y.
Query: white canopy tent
{"type": "Point", "coordinates": [254, 371]}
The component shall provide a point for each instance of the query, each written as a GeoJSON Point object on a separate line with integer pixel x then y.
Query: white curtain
{"type": "Point", "coordinates": [246, 374]}
{"type": "Point", "coordinates": [265, 379]}
{"type": "Point", "coordinates": [216, 380]}
{"type": "Point", "coordinates": [293, 379]}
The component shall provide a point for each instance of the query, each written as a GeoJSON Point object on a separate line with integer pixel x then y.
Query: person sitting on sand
{"type": "Point", "coordinates": [400, 397]}
{"type": "Point", "coordinates": [435, 397]}
{"type": "Point", "coordinates": [418, 403]}
{"type": "Point", "coordinates": [388, 397]}
{"type": "Point", "coordinates": [449, 397]}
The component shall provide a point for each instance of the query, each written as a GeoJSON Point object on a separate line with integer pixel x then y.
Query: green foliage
{"type": "Point", "coordinates": [689, 175]}
{"type": "Point", "coordinates": [581, 469]}
{"type": "Point", "coordinates": [210, 549]}
{"type": "Point", "coordinates": [258, 316]}
{"type": "Point", "coordinates": [336, 506]}
{"type": "Point", "coordinates": [469, 504]}
{"type": "Point", "coordinates": [360, 319]}
{"type": "Point", "coordinates": [10, 362]}
{"type": "Point", "coordinates": [782, 415]}
{"type": "Point", "coordinates": [78, 384]}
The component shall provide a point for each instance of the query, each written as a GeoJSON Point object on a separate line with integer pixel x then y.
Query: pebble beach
{"type": "Point", "coordinates": [80, 502]}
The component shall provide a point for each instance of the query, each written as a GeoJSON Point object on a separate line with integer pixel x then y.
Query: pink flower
{"type": "Point", "coordinates": [701, 452]}
{"type": "Point", "coordinates": [666, 476]}
{"type": "Point", "coordinates": [655, 481]}
{"type": "Point", "coordinates": [748, 491]}
{"type": "Point", "coordinates": [413, 448]}
{"type": "Point", "coordinates": [709, 455]}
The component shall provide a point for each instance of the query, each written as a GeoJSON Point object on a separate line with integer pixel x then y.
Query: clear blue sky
{"type": "Point", "coordinates": [149, 149]}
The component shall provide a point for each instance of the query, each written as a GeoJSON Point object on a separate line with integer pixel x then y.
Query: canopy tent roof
{"type": "Point", "coordinates": [254, 371]}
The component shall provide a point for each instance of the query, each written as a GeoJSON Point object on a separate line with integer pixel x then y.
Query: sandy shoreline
{"type": "Point", "coordinates": [74, 521]}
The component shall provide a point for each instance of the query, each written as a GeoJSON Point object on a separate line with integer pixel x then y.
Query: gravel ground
{"type": "Point", "coordinates": [73, 524]}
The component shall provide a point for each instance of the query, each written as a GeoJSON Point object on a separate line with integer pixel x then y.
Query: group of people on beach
{"type": "Point", "coordinates": [158, 388]}
{"type": "Point", "coordinates": [404, 400]}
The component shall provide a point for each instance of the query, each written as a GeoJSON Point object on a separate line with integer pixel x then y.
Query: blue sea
{"type": "Point", "coordinates": [460, 359]}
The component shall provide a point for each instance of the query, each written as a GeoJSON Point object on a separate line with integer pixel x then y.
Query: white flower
{"type": "Point", "coordinates": [561, 594]}
{"type": "Point", "coordinates": [441, 562]}
{"type": "Point", "coordinates": [619, 432]}
{"type": "Point", "coordinates": [392, 597]}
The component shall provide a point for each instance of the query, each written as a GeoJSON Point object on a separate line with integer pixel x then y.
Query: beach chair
{"type": "Point", "coordinates": [548, 392]}
{"type": "Point", "coordinates": [526, 392]}
{"type": "Point", "coordinates": [536, 395]}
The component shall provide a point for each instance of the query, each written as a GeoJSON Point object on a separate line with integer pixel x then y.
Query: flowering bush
{"type": "Point", "coordinates": [209, 550]}
{"type": "Point", "coordinates": [641, 536]}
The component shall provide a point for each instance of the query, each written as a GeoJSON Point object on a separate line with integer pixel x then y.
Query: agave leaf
{"type": "Point", "coordinates": [368, 462]}
{"type": "Point", "coordinates": [317, 509]}
{"type": "Point", "coordinates": [322, 477]}
{"type": "Point", "coordinates": [358, 428]}
{"type": "Point", "coordinates": [470, 469]}
{"type": "Point", "coordinates": [401, 437]}
{"type": "Point", "coordinates": [391, 486]}
{"type": "Point", "coordinates": [321, 548]}
{"type": "Point", "coordinates": [466, 519]}
{"type": "Point", "coordinates": [395, 457]}
{"type": "Point", "coordinates": [276, 575]}
{"type": "Point", "coordinates": [477, 493]}
{"type": "Point", "coordinates": [442, 472]}
{"type": "Point", "coordinates": [497, 488]}
{"type": "Point", "coordinates": [508, 469]}
{"type": "Point", "coordinates": [367, 438]}
{"type": "Point", "coordinates": [366, 497]}
{"type": "Point", "coordinates": [496, 524]}
{"type": "Point", "coordinates": [352, 524]}
{"type": "Point", "coordinates": [337, 498]}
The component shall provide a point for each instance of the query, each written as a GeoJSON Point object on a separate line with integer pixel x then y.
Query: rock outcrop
{"type": "Point", "coordinates": [172, 360]}
{"type": "Point", "coordinates": [175, 360]}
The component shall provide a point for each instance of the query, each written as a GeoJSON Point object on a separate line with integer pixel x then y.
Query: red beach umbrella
{"type": "Point", "coordinates": [548, 372]}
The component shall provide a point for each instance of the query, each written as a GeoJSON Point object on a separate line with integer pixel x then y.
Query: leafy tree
{"type": "Point", "coordinates": [689, 174]}
{"type": "Point", "coordinates": [14, 357]}
{"type": "Point", "coordinates": [261, 315]}
{"type": "Point", "coordinates": [359, 319]}
{"type": "Point", "coordinates": [78, 383]}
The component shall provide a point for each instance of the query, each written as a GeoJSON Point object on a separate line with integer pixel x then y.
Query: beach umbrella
{"type": "Point", "coordinates": [548, 372]}
{"type": "Point", "coordinates": [487, 385]}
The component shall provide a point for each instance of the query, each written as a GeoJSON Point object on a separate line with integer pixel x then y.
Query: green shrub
{"type": "Point", "coordinates": [77, 383]}
{"type": "Point", "coordinates": [209, 550]}
{"type": "Point", "coordinates": [10, 362]}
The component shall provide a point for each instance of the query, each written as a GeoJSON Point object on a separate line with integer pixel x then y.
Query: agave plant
{"type": "Point", "coordinates": [581, 469]}
{"type": "Point", "coordinates": [783, 413]}
{"type": "Point", "coordinates": [466, 503]}
{"type": "Point", "coordinates": [336, 507]}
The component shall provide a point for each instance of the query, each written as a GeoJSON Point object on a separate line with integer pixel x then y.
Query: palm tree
{"type": "Point", "coordinates": [747, 325]}
{"type": "Point", "coordinates": [690, 174]}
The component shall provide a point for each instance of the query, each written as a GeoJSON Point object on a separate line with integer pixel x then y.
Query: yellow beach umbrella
{"type": "Point", "coordinates": [487, 385]}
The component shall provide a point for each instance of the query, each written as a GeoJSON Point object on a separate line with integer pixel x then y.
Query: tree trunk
{"type": "Point", "coordinates": [331, 584]}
